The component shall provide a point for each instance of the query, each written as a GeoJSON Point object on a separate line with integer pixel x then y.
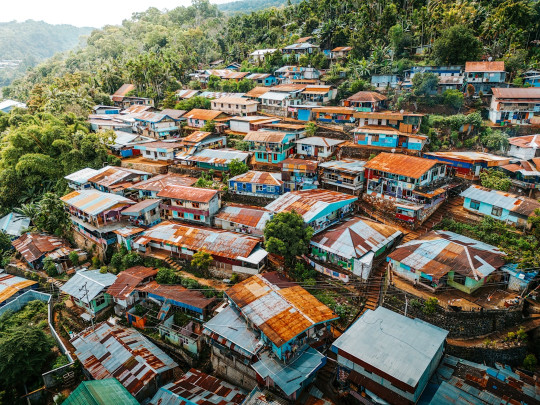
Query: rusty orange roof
{"type": "Point", "coordinates": [342, 48]}
{"type": "Point", "coordinates": [178, 192]}
{"type": "Point", "coordinates": [403, 165]}
{"type": "Point", "coordinates": [288, 87]}
{"type": "Point", "coordinates": [265, 136]}
{"type": "Point", "coordinates": [334, 110]}
{"type": "Point", "coordinates": [303, 39]}
{"type": "Point", "coordinates": [256, 177]}
{"type": "Point", "coordinates": [527, 141]}
{"type": "Point", "coordinates": [177, 293]}
{"type": "Point", "coordinates": [370, 96]}
{"type": "Point", "coordinates": [304, 164]}
{"type": "Point", "coordinates": [279, 308]}
{"type": "Point", "coordinates": [204, 115]}
{"type": "Point", "coordinates": [234, 100]}
{"type": "Point", "coordinates": [161, 181]}
{"type": "Point", "coordinates": [523, 94]}
{"type": "Point", "coordinates": [123, 90]}
{"type": "Point", "coordinates": [253, 217]}
{"type": "Point", "coordinates": [34, 245]}
{"type": "Point", "coordinates": [196, 137]}
{"type": "Point", "coordinates": [11, 285]}
{"type": "Point", "coordinates": [128, 231]}
{"type": "Point", "coordinates": [280, 125]}
{"type": "Point", "coordinates": [495, 66]}
{"type": "Point", "coordinates": [127, 280]}
{"type": "Point", "coordinates": [257, 91]}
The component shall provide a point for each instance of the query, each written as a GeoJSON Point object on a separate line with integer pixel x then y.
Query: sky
{"type": "Point", "coordinates": [82, 13]}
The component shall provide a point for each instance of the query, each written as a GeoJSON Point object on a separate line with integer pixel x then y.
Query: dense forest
{"type": "Point", "coordinates": [248, 6]}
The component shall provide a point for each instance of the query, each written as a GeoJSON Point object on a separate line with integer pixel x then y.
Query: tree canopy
{"type": "Point", "coordinates": [287, 235]}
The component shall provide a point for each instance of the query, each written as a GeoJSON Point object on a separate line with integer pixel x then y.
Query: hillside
{"type": "Point", "coordinates": [248, 6]}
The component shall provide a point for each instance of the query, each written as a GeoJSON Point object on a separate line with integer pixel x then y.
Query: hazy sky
{"type": "Point", "coordinates": [82, 13]}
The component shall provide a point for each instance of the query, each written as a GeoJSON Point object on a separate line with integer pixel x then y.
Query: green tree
{"type": "Point", "coordinates": [202, 261]}
{"type": "Point", "coordinates": [495, 179]}
{"type": "Point", "coordinates": [237, 167]}
{"type": "Point", "coordinates": [311, 129]}
{"type": "Point", "coordinates": [167, 276]}
{"type": "Point", "coordinates": [209, 126]}
{"type": "Point", "coordinates": [194, 102]}
{"type": "Point", "coordinates": [52, 217]}
{"type": "Point", "coordinates": [530, 362]}
{"type": "Point", "coordinates": [456, 45]}
{"type": "Point", "coordinates": [287, 235]}
{"type": "Point", "coordinates": [74, 258]}
{"type": "Point", "coordinates": [495, 140]}
{"type": "Point", "coordinates": [214, 83]}
{"type": "Point", "coordinates": [425, 84]}
{"type": "Point", "coordinates": [454, 99]}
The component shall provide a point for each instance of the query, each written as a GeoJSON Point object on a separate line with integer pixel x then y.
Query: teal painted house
{"type": "Point", "coordinates": [257, 184]}
{"type": "Point", "coordinates": [271, 146]}
{"type": "Point", "coordinates": [388, 137]}
{"type": "Point", "coordinates": [87, 289]}
{"type": "Point", "coordinates": [500, 205]}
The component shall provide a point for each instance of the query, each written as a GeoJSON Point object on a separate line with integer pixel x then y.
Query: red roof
{"type": "Point", "coordinates": [177, 293]}
{"type": "Point", "coordinates": [403, 165]}
{"type": "Point", "coordinates": [176, 192]}
{"type": "Point", "coordinates": [127, 280]}
{"type": "Point", "coordinates": [371, 96]}
{"type": "Point", "coordinates": [495, 66]}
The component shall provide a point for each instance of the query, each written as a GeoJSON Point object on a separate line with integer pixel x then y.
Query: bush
{"type": "Point", "coordinates": [430, 306]}
{"type": "Point", "coordinates": [530, 362]}
{"type": "Point", "coordinates": [74, 258]}
{"type": "Point", "coordinates": [234, 278]}
{"type": "Point", "coordinates": [103, 269]}
{"type": "Point", "coordinates": [454, 99]}
{"type": "Point", "coordinates": [95, 262]}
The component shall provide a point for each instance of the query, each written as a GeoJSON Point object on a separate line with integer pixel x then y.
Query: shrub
{"type": "Point", "coordinates": [530, 362]}
{"type": "Point", "coordinates": [430, 306]}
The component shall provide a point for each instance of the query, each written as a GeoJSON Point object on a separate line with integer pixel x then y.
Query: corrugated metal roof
{"type": "Point", "coordinates": [290, 164]}
{"type": "Point", "coordinates": [127, 280]}
{"type": "Point", "coordinates": [111, 175]}
{"type": "Point", "coordinates": [95, 282]}
{"type": "Point", "coordinates": [280, 313]}
{"type": "Point", "coordinates": [141, 205]}
{"type": "Point", "coordinates": [289, 377]}
{"type": "Point", "coordinates": [308, 203]}
{"type": "Point", "coordinates": [11, 285]}
{"type": "Point", "coordinates": [355, 238]}
{"type": "Point", "coordinates": [160, 145]}
{"type": "Point", "coordinates": [302, 45]}
{"type": "Point", "coordinates": [439, 252]}
{"type": "Point", "coordinates": [124, 89]}
{"type": "Point", "coordinates": [511, 202]}
{"type": "Point", "coordinates": [100, 392]}
{"type": "Point", "coordinates": [173, 113]}
{"type": "Point", "coordinates": [193, 298]}
{"type": "Point", "coordinates": [34, 245]}
{"type": "Point", "coordinates": [392, 343]}
{"type": "Point", "coordinates": [527, 141]}
{"type": "Point", "coordinates": [494, 66]}
{"type": "Point", "coordinates": [186, 93]}
{"type": "Point", "coordinates": [196, 137]}
{"type": "Point", "coordinates": [403, 165]}
{"type": "Point", "coordinates": [177, 192]}
{"type": "Point", "coordinates": [82, 176]}
{"type": "Point", "coordinates": [94, 202]}
{"type": "Point", "coordinates": [161, 181]}
{"type": "Point", "coordinates": [345, 165]}
{"type": "Point", "coordinates": [265, 136]}
{"type": "Point", "coordinates": [13, 224]}
{"type": "Point", "coordinates": [283, 126]}
{"type": "Point", "coordinates": [218, 156]}
{"type": "Point", "coordinates": [289, 87]}
{"type": "Point", "coordinates": [252, 217]}
{"type": "Point", "coordinates": [196, 387]}
{"type": "Point", "coordinates": [255, 177]}
{"type": "Point", "coordinates": [274, 95]}
{"type": "Point", "coordinates": [335, 110]}
{"type": "Point", "coordinates": [122, 353]}
{"type": "Point", "coordinates": [257, 91]}
{"type": "Point", "coordinates": [204, 115]}
{"type": "Point", "coordinates": [319, 141]}
{"type": "Point", "coordinates": [214, 241]}
{"type": "Point", "coordinates": [235, 100]}
{"type": "Point", "coordinates": [342, 49]}
{"type": "Point", "coordinates": [257, 76]}
{"type": "Point", "coordinates": [218, 94]}
{"type": "Point", "coordinates": [471, 156]}
{"type": "Point", "coordinates": [128, 231]}
{"type": "Point", "coordinates": [532, 93]}
{"type": "Point", "coordinates": [135, 109]}
{"type": "Point", "coordinates": [369, 96]}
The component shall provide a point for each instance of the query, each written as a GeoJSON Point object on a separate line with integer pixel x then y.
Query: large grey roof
{"type": "Point", "coordinates": [510, 202]}
{"type": "Point", "coordinates": [13, 224]}
{"type": "Point", "coordinates": [392, 343]}
{"type": "Point", "coordinates": [94, 281]}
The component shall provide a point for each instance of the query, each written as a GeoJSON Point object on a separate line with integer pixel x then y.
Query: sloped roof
{"type": "Point", "coordinates": [99, 392]}
{"type": "Point", "coordinates": [308, 203]}
{"type": "Point", "coordinates": [299, 164]}
{"type": "Point", "coordinates": [123, 353]}
{"type": "Point", "coordinates": [319, 141]}
{"type": "Point", "coordinates": [205, 115]}
{"type": "Point", "coordinates": [280, 312]}
{"type": "Point", "coordinates": [82, 176]}
{"type": "Point", "coordinates": [111, 175]}
{"type": "Point", "coordinates": [187, 93]}
{"type": "Point", "coordinates": [248, 216]}
{"type": "Point", "coordinates": [11, 285]}
{"type": "Point", "coordinates": [345, 165]}
{"type": "Point", "coordinates": [471, 156]}
{"type": "Point", "coordinates": [13, 224]}
{"type": "Point", "coordinates": [177, 192]}
{"type": "Point", "coordinates": [178, 293]}
{"type": "Point", "coordinates": [370, 96]}
{"type": "Point", "coordinates": [218, 156]}
{"type": "Point", "coordinates": [161, 181]}
{"type": "Point", "coordinates": [34, 245]}
{"type": "Point", "coordinates": [439, 252]}
{"type": "Point", "coordinates": [494, 66]}
{"type": "Point", "coordinates": [511, 202]}
{"type": "Point", "coordinates": [386, 342]}
{"type": "Point", "coordinates": [257, 91]}
{"type": "Point", "coordinates": [525, 93]}
{"type": "Point", "coordinates": [235, 100]}
{"type": "Point", "coordinates": [527, 141]}
{"type": "Point", "coordinates": [255, 177]}
{"type": "Point", "coordinates": [159, 145]}
{"type": "Point", "coordinates": [196, 137]}
{"type": "Point", "coordinates": [173, 113]}
{"type": "Point", "coordinates": [141, 205]}
{"type": "Point", "coordinates": [127, 280]}
{"type": "Point", "coordinates": [94, 281]}
{"type": "Point", "coordinates": [122, 91]}
{"type": "Point", "coordinates": [355, 238]}
{"type": "Point", "coordinates": [403, 165]}
{"type": "Point", "coordinates": [94, 202]}
{"type": "Point", "coordinates": [265, 136]}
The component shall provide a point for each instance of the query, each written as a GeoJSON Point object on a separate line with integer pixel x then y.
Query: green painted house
{"type": "Point", "coordinates": [87, 289]}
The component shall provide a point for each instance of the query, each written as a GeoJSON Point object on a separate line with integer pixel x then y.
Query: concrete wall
{"type": "Point", "coordinates": [512, 356]}
{"type": "Point", "coordinates": [232, 370]}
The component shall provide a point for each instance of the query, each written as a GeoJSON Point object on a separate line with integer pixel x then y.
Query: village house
{"type": "Point", "coordinates": [244, 125]}
{"type": "Point", "coordinates": [367, 101]}
{"type": "Point", "coordinates": [263, 79]}
{"type": "Point", "coordinates": [190, 204]}
{"type": "Point", "coordinates": [256, 91]}
{"type": "Point", "coordinates": [186, 94]}
{"type": "Point", "coordinates": [403, 121]}
{"type": "Point", "coordinates": [102, 122]}
{"type": "Point", "coordinates": [468, 164]}
{"type": "Point", "coordinates": [124, 144]}
{"type": "Point", "coordinates": [258, 55]}
{"type": "Point", "coordinates": [235, 105]}
{"type": "Point", "coordinates": [484, 76]}
{"type": "Point", "coordinates": [520, 106]}
{"type": "Point", "coordinates": [317, 95]}
{"type": "Point", "coordinates": [413, 185]}
{"type": "Point", "coordinates": [271, 146]}
{"type": "Point", "coordinates": [295, 50]}
{"type": "Point", "coordinates": [105, 109]}
{"type": "Point", "coordinates": [126, 234]}
{"type": "Point", "coordinates": [124, 288]}
{"type": "Point", "coordinates": [100, 392]}
{"type": "Point", "coordinates": [299, 174]}
{"type": "Point", "coordinates": [145, 213]}
{"type": "Point", "coordinates": [351, 248]}
{"type": "Point", "coordinates": [196, 387]}
{"type": "Point", "coordinates": [231, 252]}
{"type": "Point", "coordinates": [79, 179]}
{"type": "Point", "coordinates": [317, 147]}
{"type": "Point", "coordinates": [12, 286]}
{"type": "Point", "coordinates": [443, 258]}
{"type": "Point", "coordinates": [157, 125]}
{"type": "Point", "coordinates": [524, 147]}
{"type": "Point", "coordinates": [500, 205]}
{"type": "Point", "coordinates": [257, 184]}
{"type": "Point", "coordinates": [14, 224]}
{"type": "Point", "coordinates": [391, 362]}
{"type": "Point", "coordinates": [35, 247]}
{"type": "Point", "coordinates": [88, 290]}
{"type": "Point", "coordinates": [341, 52]}
{"type": "Point", "coordinates": [532, 78]}
{"type": "Point", "coordinates": [524, 175]}
{"type": "Point", "coordinates": [6, 106]}
{"type": "Point", "coordinates": [269, 329]}
{"type": "Point", "coordinates": [197, 118]}
{"type": "Point", "coordinates": [447, 76]}
{"type": "Point", "coordinates": [296, 74]}
{"type": "Point", "coordinates": [159, 150]}
{"type": "Point", "coordinates": [319, 208]}
{"type": "Point", "coordinates": [345, 175]}
{"type": "Point", "coordinates": [150, 188]}
{"type": "Point", "coordinates": [384, 137]}
{"type": "Point", "coordinates": [279, 98]}
{"type": "Point", "coordinates": [385, 81]}
{"type": "Point", "coordinates": [114, 180]}
{"type": "Point", "coordinates": [215, 159]}
{"type": "Point", "coordinates": [336, 115]}
{"type": "Point", "coordinates": [95, 215]}
{"type": "Point", "coordinates": [200, 140]}
{"type": "Point", "coordinates": [243, 219]}
{"type": "Point", "coordinates": [112, 351]}
{"type": "Point", "coordinates": [123, 97]}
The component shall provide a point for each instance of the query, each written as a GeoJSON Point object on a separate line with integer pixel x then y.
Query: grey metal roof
{"type": "Point", "coordinates": [392, 343]}
{"type": "Point", "coordinates": [13, 224]}
{"type": "Point", "coordinates": [82, 176]}
{"type": "Point", "coordinates": [345, 165]}
{"type": "Point", "coordinates": [510, 202]}
{"type": "Point", "coordinates": [94, 281]}
{"type": "Point", "coordinates": [289, 377]}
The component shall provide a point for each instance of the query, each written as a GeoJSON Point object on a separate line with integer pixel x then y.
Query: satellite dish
{"type": "Point", "coordinates": [401, 111]}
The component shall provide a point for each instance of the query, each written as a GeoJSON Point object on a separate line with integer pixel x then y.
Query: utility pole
{"type": "Point", "coordinates": [87, 301]}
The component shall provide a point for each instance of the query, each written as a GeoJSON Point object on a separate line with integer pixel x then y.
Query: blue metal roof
{"type": "Point", "coordinates": [94, 281]}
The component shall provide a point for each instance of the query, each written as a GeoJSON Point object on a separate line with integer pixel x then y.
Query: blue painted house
{"type": "Point", "coordinates": [532, 78]}
{"type": "Point", "coordinates": [500, 205]}
{"type": "Point", "coordinates": [271, 146]}
{"type": "Point", "coordinates": [257, 184]}
{"type": "Point", "coordinates": [263, 79]}
{"type": "Point", "coordinates": [144, 213]}
{"type": "Point", "coordinates": [157, 125]}
{"type": "Point", "coordinates": [388, 137]}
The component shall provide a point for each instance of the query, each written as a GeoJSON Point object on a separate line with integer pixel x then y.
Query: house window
{"type": "Point", "coordinates": [259, 187]}
{"type": "Point", "coordinates": [270, 189]}
{"type": "Point", "coordinates": [195, 205]}
{"type": "Point", "coordinates": [475, 205]}
{"type": "Point", "coordinates": [99, 300]}
{"type": "Point", "coordinates": [459, 279]}
{"type": "Point", "coordinates": [496, 211]}
{"type": "Point", "coordinates": [197, 217]}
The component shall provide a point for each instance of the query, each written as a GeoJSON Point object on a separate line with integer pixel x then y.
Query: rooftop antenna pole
{"type": "Point", "coordinates": [87, 301]}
